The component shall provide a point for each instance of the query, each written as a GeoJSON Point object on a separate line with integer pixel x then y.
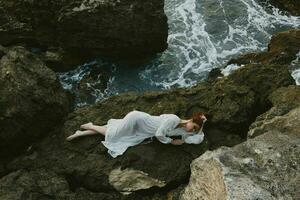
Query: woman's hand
{"type": "Point", "coordinates": [177, 142]}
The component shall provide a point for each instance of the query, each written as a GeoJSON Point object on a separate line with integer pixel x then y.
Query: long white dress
{"type": "Point", "coordinates": [137, 126]}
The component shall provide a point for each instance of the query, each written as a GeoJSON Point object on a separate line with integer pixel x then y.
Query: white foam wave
{"type": "Point", "coordinates": [204, 34]}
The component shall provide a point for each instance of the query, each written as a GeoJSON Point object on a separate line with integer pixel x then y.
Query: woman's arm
{"type": "Point", "coordinates": [166, 126]}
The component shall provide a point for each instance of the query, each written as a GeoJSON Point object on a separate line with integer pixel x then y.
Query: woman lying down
{"type": "Point", "coordinates": [137, 126]}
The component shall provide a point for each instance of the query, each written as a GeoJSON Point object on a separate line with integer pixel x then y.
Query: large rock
{"type": "Point", "coordinates": [31, 100]}
{"type": "Point", "coordinates": [266, 167]}
{"type": "Point", "coordinates": [283, 100]}
{"type": "Point", "coordinates": [44, 184]}
{"type": "Point", "coordinates": [122, 29]}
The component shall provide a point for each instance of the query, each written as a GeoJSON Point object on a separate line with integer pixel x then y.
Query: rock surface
{"type": "Point", "coordinates": [86, 28]}
{"type": "Point", "coordinates": [265, 167]}
{"type": "Point", "coordinates": [31, 100]}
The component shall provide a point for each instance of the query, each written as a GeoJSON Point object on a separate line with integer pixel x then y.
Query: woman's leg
{"type": "Point", "coordinates": [91, 126]}
{"type": "Point", "coordinates": [99, 129]}
{"type": "Point", "coordinates": [79, 133]}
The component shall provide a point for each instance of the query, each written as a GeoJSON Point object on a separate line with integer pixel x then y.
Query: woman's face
{"type": "Point", "coordinates": [191, 127]}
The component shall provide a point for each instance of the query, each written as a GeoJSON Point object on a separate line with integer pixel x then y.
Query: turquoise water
{"type": "Point", "coordinates": [203, 34]}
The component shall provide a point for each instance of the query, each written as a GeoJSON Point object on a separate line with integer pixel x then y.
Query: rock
{"type": "Point", "coordinates": [43, 184]}
{"type": "Point", "coordinates": [85, 29]}
{"type": "Point", "coordinates": [85, 164]}
{"type": "Point", "coordinates": [31, 100]}
{"type": "Point", "coordinates": [58, 59]}
{"type": "Point", "coordinates": [283, 100]}
{"type": "Point", "coordinates": [130, 180]}
{"type": "Point", "coordinates": [265, 167]}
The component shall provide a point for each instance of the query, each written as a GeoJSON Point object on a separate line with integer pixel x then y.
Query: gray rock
{"type": "Point", "coordinates": [265, 167]}
{"type": "Point", "coordinates": [283, 100]}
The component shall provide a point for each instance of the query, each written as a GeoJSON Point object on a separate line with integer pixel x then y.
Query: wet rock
{"type": "Point", "coordinates": [31, 100]}
{"type": "Point", "coordinates": [84, 29]}
{"type": "Point", "coordinates": [265, 167]}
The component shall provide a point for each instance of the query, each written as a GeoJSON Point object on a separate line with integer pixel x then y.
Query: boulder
{"type": "Point", "coordinates": [32, 101]}
{"type": "Point", "coordinates": [84, 28]}
{"type": "Point", "coordinates": [283, 100]}
{"type": "Point", "coordinates": [265, 167]}
{"type": "Point", "coordinates": [44, 184]}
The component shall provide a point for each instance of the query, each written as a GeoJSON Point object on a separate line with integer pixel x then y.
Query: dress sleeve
{"type": "Point", "coordinates": [167, 125]}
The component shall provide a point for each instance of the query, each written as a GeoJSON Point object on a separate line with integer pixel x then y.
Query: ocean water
{"type": "Point", "coordinates": [203, 34]}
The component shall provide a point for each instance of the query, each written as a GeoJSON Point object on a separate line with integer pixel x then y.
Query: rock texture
{"type": "Point", "coordinates": [31, 100]}
{"type": "Point", "coordinates": [86, 28]}
{"type": "Point", "coordinates": [266, 167]}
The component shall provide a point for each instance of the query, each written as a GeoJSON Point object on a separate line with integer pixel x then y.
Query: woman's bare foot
{"type": "Point", "coordinates": [76, 134]}
{"type": "Point", "coordinates": [86, 126]}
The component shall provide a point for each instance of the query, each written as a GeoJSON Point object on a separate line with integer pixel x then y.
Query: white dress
{"type": "Point", "coordinates": [137, 126]}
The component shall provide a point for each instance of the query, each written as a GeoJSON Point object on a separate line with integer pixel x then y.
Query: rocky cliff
{"type": "Point", "coordinates": [82, 29]}
{"type": "Point", "coordinates": [82, 169]}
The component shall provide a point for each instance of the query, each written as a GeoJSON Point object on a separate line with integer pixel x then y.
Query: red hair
{"type": "Point", "coordinates": [197, 118]}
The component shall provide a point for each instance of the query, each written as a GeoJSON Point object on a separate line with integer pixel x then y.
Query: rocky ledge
{"type": "Point", "coordinates": [69, 31]}
{"type": "Point", "coordinates": [265, 167]}
{"type": "Point", "coordinates": [32, 100]}
{"type": "Point", "coordinates": [53, 168]}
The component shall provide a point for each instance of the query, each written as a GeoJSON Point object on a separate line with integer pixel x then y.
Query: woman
{"type": "Point", "coordinates": [137, 126]}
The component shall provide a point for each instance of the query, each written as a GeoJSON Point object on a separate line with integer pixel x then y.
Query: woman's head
{"type": "Point", "coordinates": [195, 122]}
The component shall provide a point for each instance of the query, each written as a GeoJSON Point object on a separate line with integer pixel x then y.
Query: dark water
{"type": "Point", "coordinates": [203, 34]}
